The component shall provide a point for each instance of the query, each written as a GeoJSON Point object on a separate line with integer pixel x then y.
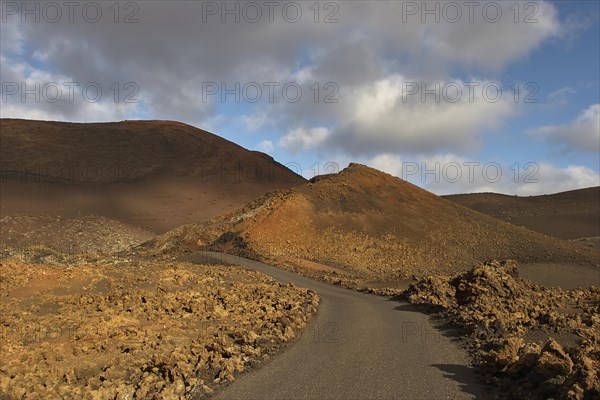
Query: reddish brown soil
{"type": "Point", "coordinates": [567, 215]}
{"type": "Point", "coordinates": [368, 225]}
{"type": "Point", "coordinates": [361, 228]}
{"type": "Point", "coordinates": [155, 175]}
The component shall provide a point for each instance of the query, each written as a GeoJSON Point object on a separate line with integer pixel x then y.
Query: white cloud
{"type": "Point", "coordinates": [303, 139]}
{"type": "Point", "coordinates": [553, 179]}
{"type": "Point", "coordinates": [368, 54]}
{"type": "Point", "coordinates": [31, 93]}
{"type": "Point", "coordinates": [561, 95]}
{"type": "Point", "coordinates": [390, 163]}
{"type": "Point", "coordinates": [11, 36]}
{"type": "Point", "coordinates": [385, 116]}
{"type": "Point", "coordinates": [266, 146]}
{"type": "Point", "coordinates": [368, 44]}
{"type": "Point", "coordinates": [581, 134]}
{"type": "Point", "coordinates": [255, 121]}
{"type": "Point", "coordinates": [451, 174]}
{"type": "Point", "coordinates": [494, 45]}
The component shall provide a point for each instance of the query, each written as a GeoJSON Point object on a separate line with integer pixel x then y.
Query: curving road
{"type": "Point", "coordinates": [359, 346]}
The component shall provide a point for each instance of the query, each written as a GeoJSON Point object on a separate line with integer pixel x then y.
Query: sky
{"type": "Point", "coordinates": [454, 96]}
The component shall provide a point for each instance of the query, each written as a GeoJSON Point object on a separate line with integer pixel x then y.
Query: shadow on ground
{"type": "Point", "coordinates": [464, 376]}
{"type": "Point", "coordinates": [468, 380]}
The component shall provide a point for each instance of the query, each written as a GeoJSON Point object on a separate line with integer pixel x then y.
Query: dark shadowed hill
{"type": "Point", "coordinates": [155, 175]}
{"type": "Point", "coordinates": [567, 215]}
{"type": "Point", "coordinates": [365, 223]}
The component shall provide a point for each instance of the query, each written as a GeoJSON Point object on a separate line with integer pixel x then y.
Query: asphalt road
{"type": "Point", "coordinates": [359, 346]}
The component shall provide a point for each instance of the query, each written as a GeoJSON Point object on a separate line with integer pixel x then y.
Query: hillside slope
{"type": "Point", "coordinates": [567, 215]}
{"type": "Point", "coordinates": [363, 223]}
{"type": "Point", "coordinates": [154, 175]}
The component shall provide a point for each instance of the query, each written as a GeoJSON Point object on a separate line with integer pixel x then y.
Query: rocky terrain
{"type": "Point", "coordinates": [88, 234]}
{"type": "Point", "coordinates": [127, 329]}
{"type": "Point", "coordinates": [364, 228]}
{"type": "Point", "coordinates": [93, 305]}
{"type": "Point", "coordinates": [536, 342]}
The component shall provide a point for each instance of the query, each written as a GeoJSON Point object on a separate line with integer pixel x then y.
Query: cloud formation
{"type": "Point", "coordinates": [174, 49]}
{"type": "Point", "coordinates": [303, 139]}
{"type": "Point", "coordinates": [356, 73]}
{"type": "Point", "coordinates": [581, 134]}
{"type": "Point", "coordinates": [398, 114]}
{"type": "Point", "coordinates": [451, 174]}
{"type": "Point", "coordinates": [266, 146]}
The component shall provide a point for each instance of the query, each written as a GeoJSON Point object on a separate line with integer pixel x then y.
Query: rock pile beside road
{"type": "Point", "coordinates": [538, 342]}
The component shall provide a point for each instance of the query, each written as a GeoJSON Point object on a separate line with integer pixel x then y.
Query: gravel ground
{"type": "Point", "coordinates": [145, 330]}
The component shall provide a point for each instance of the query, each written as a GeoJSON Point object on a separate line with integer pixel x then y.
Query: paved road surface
{"type": "Point", "coordinates": [359, 346]}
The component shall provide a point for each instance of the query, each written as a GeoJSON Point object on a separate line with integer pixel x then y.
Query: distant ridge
{"type": "Point", "coordinates": [568, 215]}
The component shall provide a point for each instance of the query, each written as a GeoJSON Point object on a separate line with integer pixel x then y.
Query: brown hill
{"type": "Point", "coordinates": [155, 175]}
{"type": "Point", "coordinates": [363, 223]}
{"type": "Point", "coordinates": [567, 215]}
